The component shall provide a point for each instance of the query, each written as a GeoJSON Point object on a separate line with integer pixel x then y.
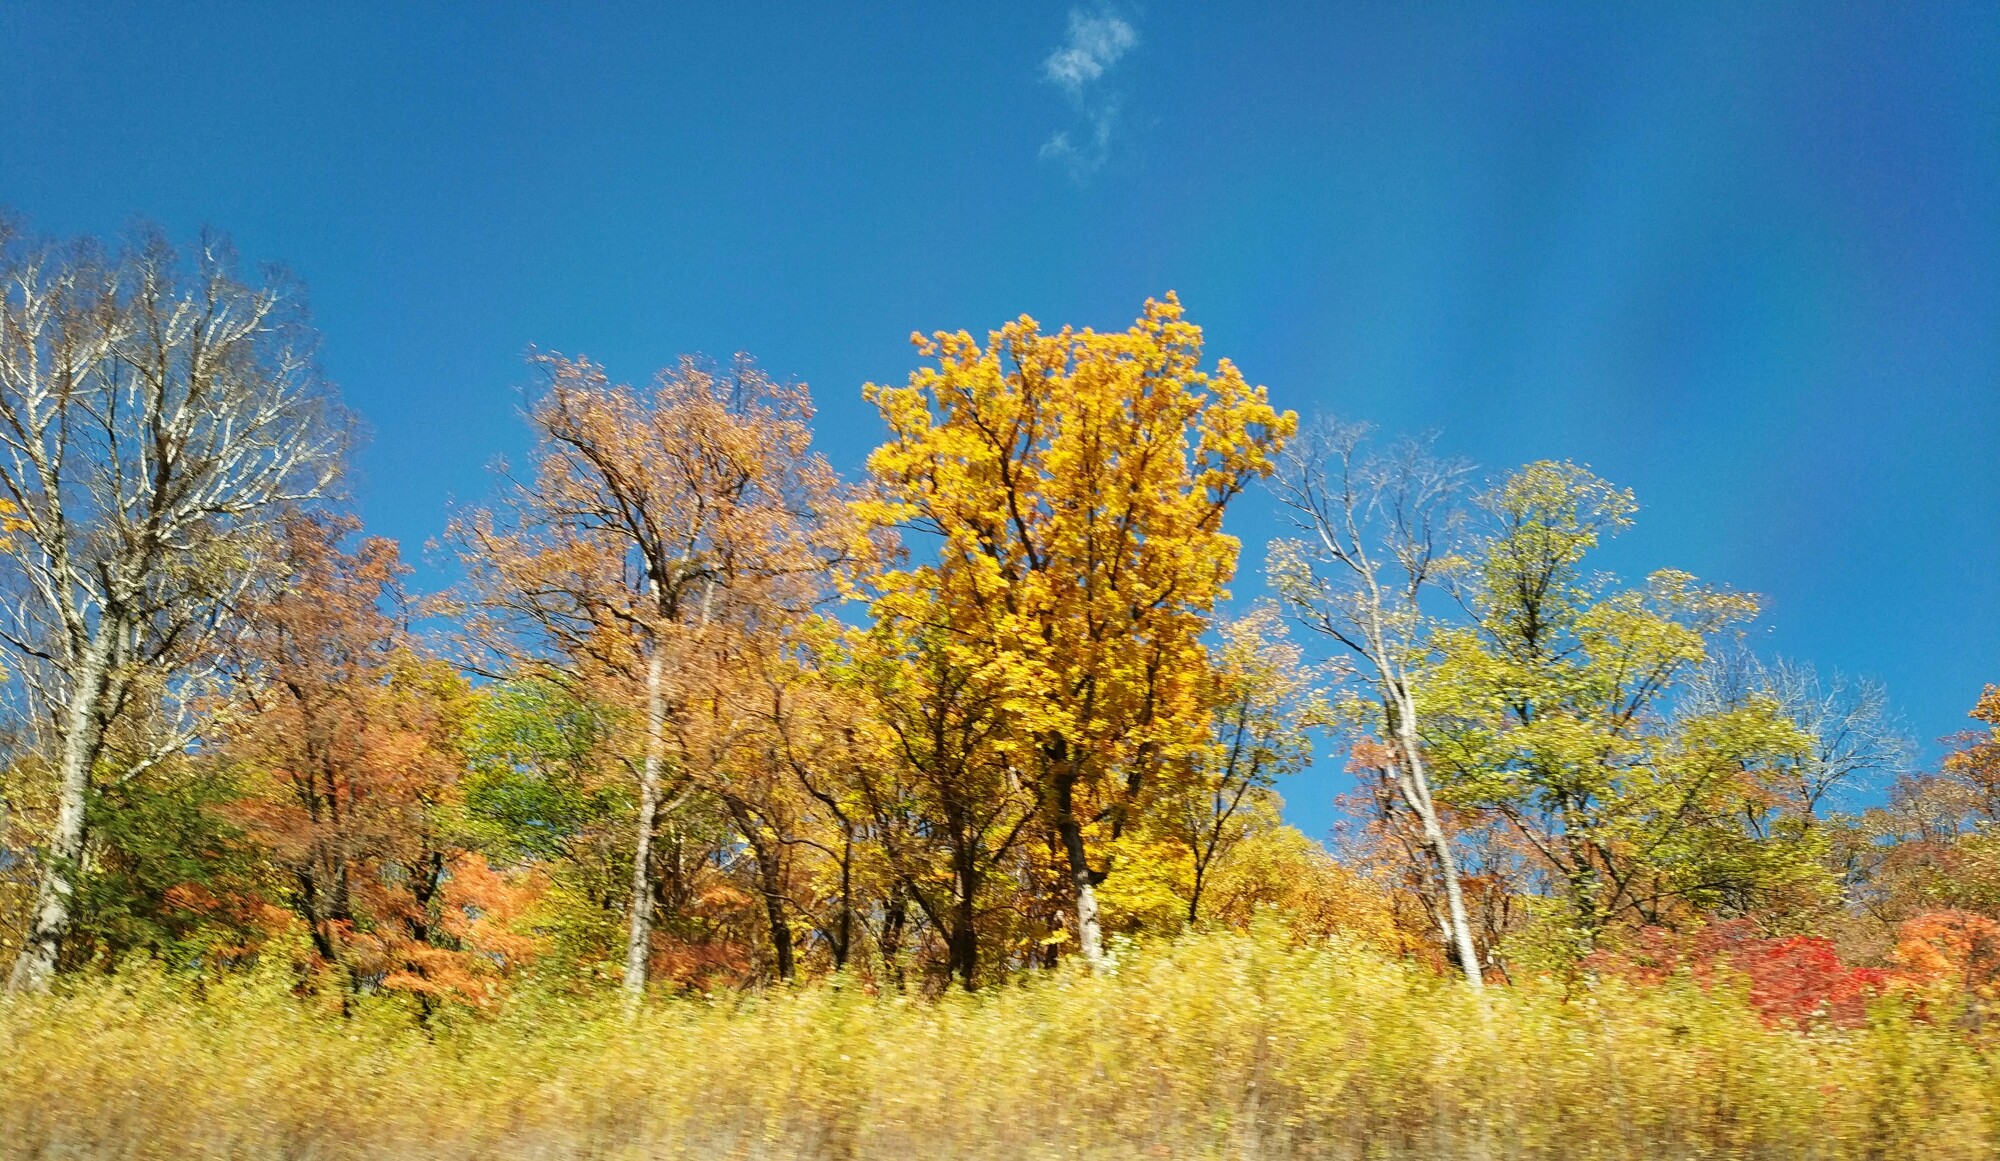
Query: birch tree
{"type": "Point", "coordinates": [154, 411]}
{"type": "Point", "coordinates": [1375, 537]}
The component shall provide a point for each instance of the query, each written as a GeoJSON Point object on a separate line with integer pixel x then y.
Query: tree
{"type": "Point", "coordinates": [943, 798]}
{"type": "Point", "coordinates": [1857, 739]}
{"type": "Point", "coordinates": [1074, 485]}
{"type": "Point", "coordinates": [347, 739]}
{"type": "Point", "coordinates": [839, 797]}
{"type": "Point", "coordinates": [1552, 708]}
{"type": "Point", "coordinates": [1934, 843]}
{"type": "Point", "coordinates": [1376, 536]}
{"type": "Point", "coordinates": [153, 413]}
{"type": "Point", "coordinates": [541, 790]}
{"type": "Point", "coordinates": [1975, 763]}
{"type": "Point", "coordinates": [661, 531]}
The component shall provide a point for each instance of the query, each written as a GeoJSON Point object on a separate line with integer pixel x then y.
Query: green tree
{"type": "Point", "coordinates": [1554, 709]}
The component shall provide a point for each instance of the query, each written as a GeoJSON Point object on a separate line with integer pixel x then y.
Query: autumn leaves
{"type": "Point", "coordinates": [1031, 671]}
{"type": "Point", "coordinates": [699, 712]}
{"type": "Point", "coordinates": [1074, 484]}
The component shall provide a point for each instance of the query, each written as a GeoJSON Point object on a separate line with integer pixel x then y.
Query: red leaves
{"type": "Point", "coordinates": [1801, 981]}
{"type": "Point", "coordinates": [1795, 980]}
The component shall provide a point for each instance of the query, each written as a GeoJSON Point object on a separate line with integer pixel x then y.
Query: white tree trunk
{"type": "Point", "coordinates": [639, 939]}
{"type": "Point", "coordinates": [1090, 933]}
{"type": "Point", "coordinates": [1418, 794]}
{"type": "Point", "coordinates": [81, 741]}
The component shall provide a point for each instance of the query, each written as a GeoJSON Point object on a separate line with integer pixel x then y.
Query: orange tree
{"type": "Point", "coordinates": [665, 536]}
{"type": "Point", "coordinates": [345, 737]}
{"type": "Point", "coordinates": [1073, 485]}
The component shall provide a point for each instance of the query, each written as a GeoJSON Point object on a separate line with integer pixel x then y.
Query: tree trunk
{"type": "Point", "coordinates": [964, 941]}
{"type": "Point", "coordinates": [843, 924]}
{"type": "Point", "coordinates": [781, 928]}
{"type": "Point", "coordinates": [1454, 896]}
{"type": "Point", "coordinates": [423, 890]}
{"type": "Point", "coordinates": [639, 939]}
{"type": "Point", "coordinates": [1089, 934]}
{"type": "Point", "coordinates": [1419, 793]}
{"type": "Point", "coordinates": [895, 913]}
{"type": "Point", "coordinates": [83, 738]}
{"type": "Point", "coordinates": [772, 884]}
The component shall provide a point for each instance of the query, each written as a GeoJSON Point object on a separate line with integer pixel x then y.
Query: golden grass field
{"type": "Point", "coordinates": [1216, 1046]}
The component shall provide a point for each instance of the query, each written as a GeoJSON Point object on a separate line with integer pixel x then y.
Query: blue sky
{"type": "Point", "coordinates": [1744, 258]}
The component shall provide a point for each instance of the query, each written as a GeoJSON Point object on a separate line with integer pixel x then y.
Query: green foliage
{"type": "Point", "coordinates": [1553, 710]}
{"type": "Point", "coordinates": [529, 790]}
{"type": "Point", "coordinates": [169, 874]}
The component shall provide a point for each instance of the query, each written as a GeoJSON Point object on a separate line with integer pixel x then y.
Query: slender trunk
{"type": "Point", "coordinates": [82, 738]}
{"type": "Point", "coordinates": [843, 924]}
{"type": "Point", "coordinates": [1419, 793]}
{"type": "Point", "coordinates": [781, 933]}
{"type": "Point", "coordinates": [1089, 933]}
{"type": "Point", "coordinates": [423, 889]}
{"type": "Point", "coordinates": [768, 876]}
{"type": "Point", "coordinates": [1584, 890]}
{"type": "Point", "coordinates": [1454, 896]}
{"type": "Point", "coordinates": [639, 939]}
{"type": "Point", "coordinates": [895, 913]}
{"type": "Point", "coordinates": [318, 926]}
{"type": "Point", "coordinates": [1194, 895]}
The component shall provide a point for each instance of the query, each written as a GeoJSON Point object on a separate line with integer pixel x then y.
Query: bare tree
{"type": "Point", "coordinates": [153, 412]}
{"type": "Point", "coordinates": [1376, 534]}
{"type": "Point", "coordinates": [1859, 742]}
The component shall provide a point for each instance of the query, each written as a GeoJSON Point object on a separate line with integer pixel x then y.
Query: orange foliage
{"type": "Point", "coordinates": [1976, 762]}
{"type": "Point", "coordinates": [1951, 950]}
{"type": "Point", "coordinates": [347, 736]}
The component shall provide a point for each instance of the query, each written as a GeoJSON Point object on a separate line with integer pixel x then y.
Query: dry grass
{"type": "Point", "coordinates": [1225, 1046]}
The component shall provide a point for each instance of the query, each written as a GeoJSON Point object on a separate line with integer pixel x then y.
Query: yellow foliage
{"type": "Point", "coordinates": [1073, 484]}
{"type": "Point", "coordinates": [1280, 869]}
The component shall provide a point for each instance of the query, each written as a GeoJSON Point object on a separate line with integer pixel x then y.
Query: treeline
{"type": "Point", "coordinates": [702, 714]}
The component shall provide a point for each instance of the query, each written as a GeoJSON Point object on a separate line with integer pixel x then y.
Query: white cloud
{"type": "Point", "coordinates": [1095, 44]}
{"type": "Point", "coordinates": [1077, 67]}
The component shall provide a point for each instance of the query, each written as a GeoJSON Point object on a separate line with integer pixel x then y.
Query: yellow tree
{"type": "Point", "coordinates": [1263, 707]}
{"type": "Point", "coordinates": [1073, 484]}
{"type": "Point", "coordinates": [944, 804]}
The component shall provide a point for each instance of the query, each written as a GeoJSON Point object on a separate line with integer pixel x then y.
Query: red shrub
{"type": "Point", "coordinates": [1798, 980]}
